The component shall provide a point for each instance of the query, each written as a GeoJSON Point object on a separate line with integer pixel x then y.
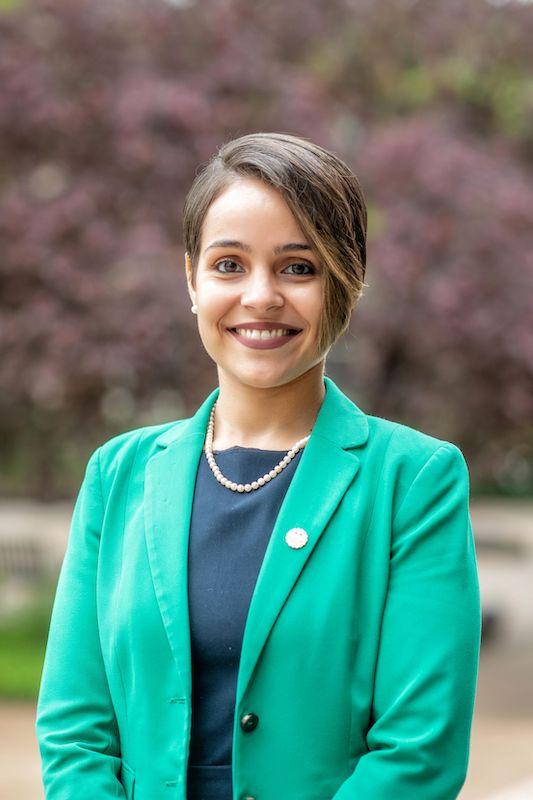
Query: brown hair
{"type": "Point", "coordinates": [324, 196]}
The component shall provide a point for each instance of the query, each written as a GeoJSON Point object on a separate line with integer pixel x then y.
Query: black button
{"type": "Point", "coordinates": [249, 722]}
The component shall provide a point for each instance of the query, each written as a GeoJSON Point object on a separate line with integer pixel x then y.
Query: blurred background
{"type": "Point", "coordinates": [107, 110]}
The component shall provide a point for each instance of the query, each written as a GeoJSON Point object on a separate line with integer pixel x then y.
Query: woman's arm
{"type": "Point", "coordinates": [75, 722]}
{"type": "Point", "coordinates": [427, 665]}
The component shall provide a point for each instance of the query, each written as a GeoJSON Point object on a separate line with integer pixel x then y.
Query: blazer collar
{"type": "Point", "coordinates": [327, 467]}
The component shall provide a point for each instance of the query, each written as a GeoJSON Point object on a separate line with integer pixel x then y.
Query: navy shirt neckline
{"type": "Point", "coordinates": [248, 449]}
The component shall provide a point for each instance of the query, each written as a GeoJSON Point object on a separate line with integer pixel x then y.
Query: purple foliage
{"type": "Point", "coordinates": [106, 112]}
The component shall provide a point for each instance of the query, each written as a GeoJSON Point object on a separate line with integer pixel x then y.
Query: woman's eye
{"type": "Point", "coordinates": [224, 261]}
{"type": "Point", "coordinates": [298, 264]}
{"type": "Point", "coordinates": [303, 264]}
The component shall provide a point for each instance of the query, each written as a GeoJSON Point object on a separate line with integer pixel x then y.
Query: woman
{"type": "Point", "coordinates": [276, 598]}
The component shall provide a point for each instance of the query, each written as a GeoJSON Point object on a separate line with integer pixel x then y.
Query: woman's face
{"type": "Point", "coordinates": [265, 272]}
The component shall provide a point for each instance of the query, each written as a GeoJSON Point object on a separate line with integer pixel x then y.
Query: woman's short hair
{"type": "Point", "coordinates": [324, 196]}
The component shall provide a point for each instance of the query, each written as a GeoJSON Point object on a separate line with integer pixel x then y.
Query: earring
{"type": "Point", "coordinates": [194, 309]}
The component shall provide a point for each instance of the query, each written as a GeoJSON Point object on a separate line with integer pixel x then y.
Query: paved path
{"type": "Point", "coordinates": [519, 791]}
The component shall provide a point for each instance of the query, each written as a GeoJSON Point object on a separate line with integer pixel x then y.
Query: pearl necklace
{"type": "Point", "coordinates": [246, 487]}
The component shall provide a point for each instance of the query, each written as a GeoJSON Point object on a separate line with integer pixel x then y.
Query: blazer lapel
{"type": "Point", "coordinates": [327, 467]}
{"type": "Point", "coordinates": [170, 477]}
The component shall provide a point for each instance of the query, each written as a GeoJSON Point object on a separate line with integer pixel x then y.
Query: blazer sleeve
{"type": "Point", "coordinates": [427, 662]}
{"type": "Point", "coordinates": [75, 724]}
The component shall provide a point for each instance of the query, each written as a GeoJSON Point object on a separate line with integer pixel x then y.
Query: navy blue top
{"type": "Point", "coordinates": [228, 538]}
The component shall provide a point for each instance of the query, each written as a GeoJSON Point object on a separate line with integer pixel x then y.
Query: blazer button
{"type": "Point", "coordinates": [249, 722]}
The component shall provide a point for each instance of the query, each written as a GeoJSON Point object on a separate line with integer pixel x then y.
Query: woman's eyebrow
{"type": "Point", "coordinates": [282, 248]}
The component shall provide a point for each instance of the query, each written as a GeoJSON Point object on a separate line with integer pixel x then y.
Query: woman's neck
{"type": "Point", "coordinates": [272, 418]}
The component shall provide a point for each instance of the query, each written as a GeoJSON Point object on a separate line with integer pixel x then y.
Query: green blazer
{"type": "Point", "coordinates": [360, 651]}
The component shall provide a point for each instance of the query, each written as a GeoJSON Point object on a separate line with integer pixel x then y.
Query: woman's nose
{"type": "Point", "coordinates": [261, 290]}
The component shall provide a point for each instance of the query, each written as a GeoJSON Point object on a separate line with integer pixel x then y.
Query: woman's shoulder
{"type": "Point", "coordinates": [404, 452]}
{"type": "Point", "coordinates": [123, 450]}
{"type": "Point", "coordinates": [405, 445]}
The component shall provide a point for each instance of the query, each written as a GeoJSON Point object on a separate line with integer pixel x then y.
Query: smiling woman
{"type": "Point", "coordinates": [277, 597]}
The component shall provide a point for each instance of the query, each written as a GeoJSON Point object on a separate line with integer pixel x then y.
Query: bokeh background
{"type": "Point", "coordinates": [107, 111]}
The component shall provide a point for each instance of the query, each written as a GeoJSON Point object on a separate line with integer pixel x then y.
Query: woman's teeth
{"type": "Point", "coordinates": [263, 334]}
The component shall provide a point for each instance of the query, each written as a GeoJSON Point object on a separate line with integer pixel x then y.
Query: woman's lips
{"type": "Point", "coordinates": [263, 344]}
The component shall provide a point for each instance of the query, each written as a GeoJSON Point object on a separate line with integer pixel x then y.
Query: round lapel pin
{"type": "Point", "coordinates": [296, 537]}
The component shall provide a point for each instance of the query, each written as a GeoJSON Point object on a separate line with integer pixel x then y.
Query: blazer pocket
{"type": "Point", "coordinates": [127, 777]}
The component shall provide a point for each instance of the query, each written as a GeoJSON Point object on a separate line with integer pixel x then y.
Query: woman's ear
{"type": "Point", "coordinates": [189, 274]}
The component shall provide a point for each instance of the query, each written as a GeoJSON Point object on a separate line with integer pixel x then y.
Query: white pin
{"type": "Point", "coordinates": [296, 538]}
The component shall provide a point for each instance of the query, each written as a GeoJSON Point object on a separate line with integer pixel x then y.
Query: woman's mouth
{"type": "Point", "coordinates": [264, 339]}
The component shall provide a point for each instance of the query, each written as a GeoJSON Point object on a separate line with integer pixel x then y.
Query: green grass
{"type": "Point", "coordinates": [22, 646]}
{"type": "Point", "coordinates": [9, 5]}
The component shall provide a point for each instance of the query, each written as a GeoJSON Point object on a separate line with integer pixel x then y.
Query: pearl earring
{"type": "Point", "coordinates": [194, 309]}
